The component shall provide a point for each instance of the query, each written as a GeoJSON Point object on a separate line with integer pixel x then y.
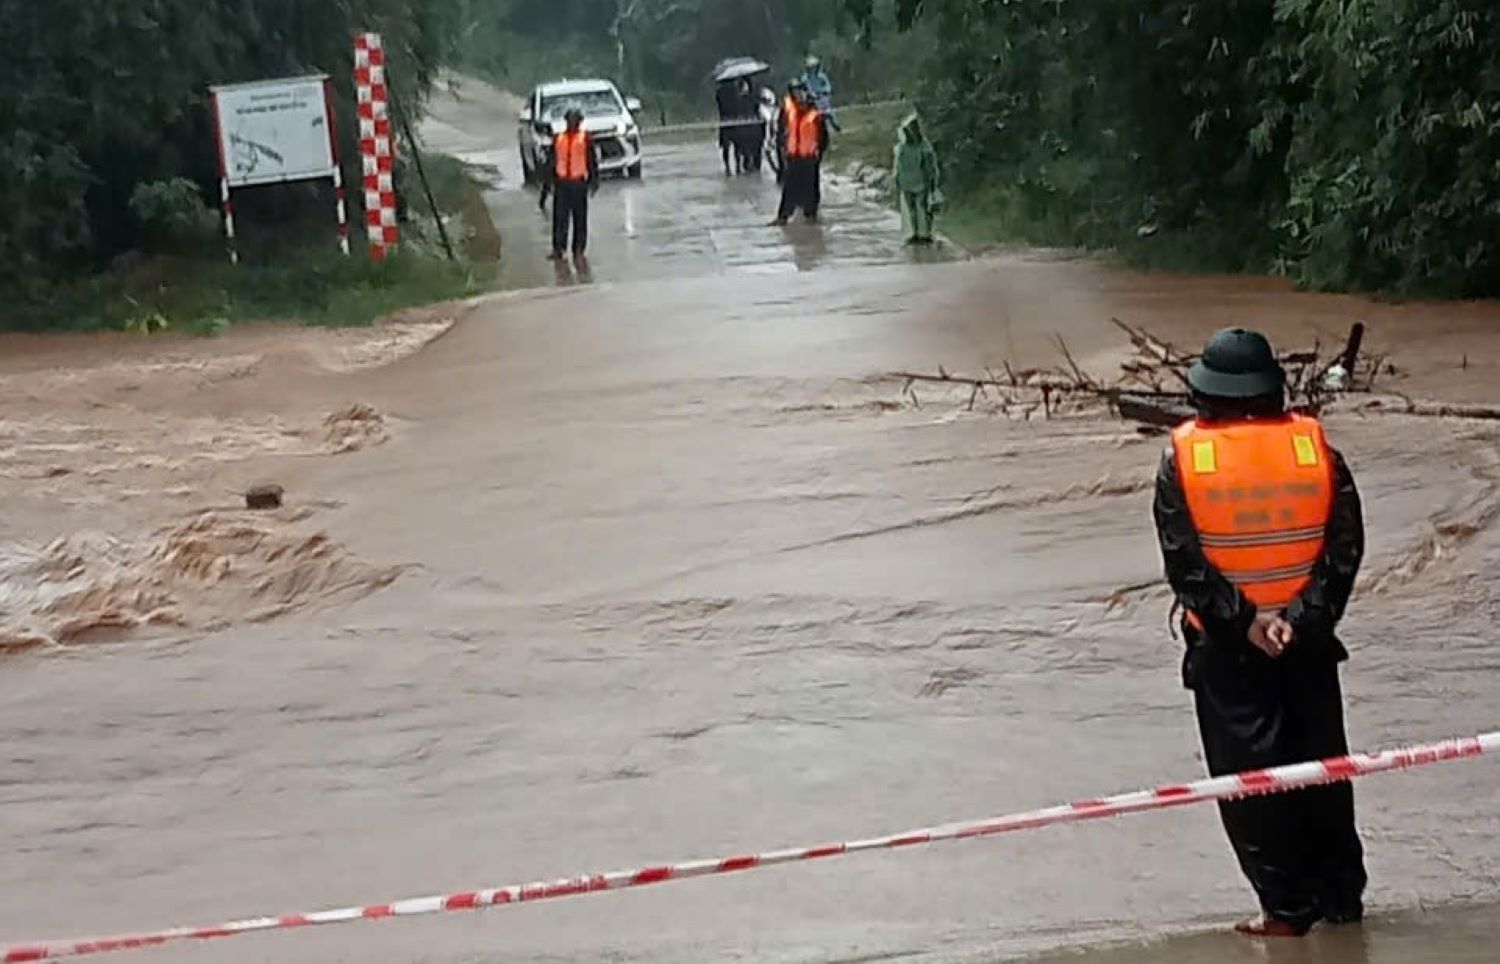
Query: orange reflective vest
{"type": "Point", "coordinates": [571, 155]}
{"type": "Point", "coordinates": [1260, 495]}
{"type": "Point", "coordinates": [803, 127]}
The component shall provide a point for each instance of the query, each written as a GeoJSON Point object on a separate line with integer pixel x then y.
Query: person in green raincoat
{"type": "Point", "coordinates": [915, 172]}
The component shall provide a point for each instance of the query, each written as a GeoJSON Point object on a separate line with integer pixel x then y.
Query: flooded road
{"type": "Point", "coordinates": [684, 219]}
{"type": "Point", "coordinates": [663, 566]}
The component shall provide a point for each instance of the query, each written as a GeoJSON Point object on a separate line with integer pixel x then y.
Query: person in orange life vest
{"type": "Point", "coordinates": [1261, 535]}
{"type": "Point", "coordinates": [785, 110]}
{"type": "Point", "coordinates": [570, 176]}
{"type": "Point", "coordinates": [804, 139]}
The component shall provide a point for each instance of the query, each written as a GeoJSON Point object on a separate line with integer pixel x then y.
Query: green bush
{"type": "Point", "coordinates": [98, 97]}
{"type": "Point", "coordinates": [1349, 145]}
{"type": "Point", "coordinates": [172, 216]}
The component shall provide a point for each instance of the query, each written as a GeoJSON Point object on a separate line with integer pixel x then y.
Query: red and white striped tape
{"type": "Point", "coordinates": [376, 145]}
{"type": "Point", "coordinates": [1277, 780]}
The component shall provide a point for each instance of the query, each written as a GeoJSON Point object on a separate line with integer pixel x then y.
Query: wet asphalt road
{"type": "Point", "coordinates": [684, 220]}
{"type": "Point", "coordinates": [686, 577]}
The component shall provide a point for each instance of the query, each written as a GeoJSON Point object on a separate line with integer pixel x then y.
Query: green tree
{"type": "Point", "coordinates": [664, 50]}
{"type": "Point", "coordinates": [97, 98]}
{"type": "Point", "coordinates": [1355, 142]}
{"type": "Point", "coordinates": [1392, 108]}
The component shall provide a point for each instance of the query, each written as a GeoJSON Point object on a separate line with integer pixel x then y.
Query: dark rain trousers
{"type": "Point", "coordinates": [570, 208]}
{"type": "Point", "coordinates": [1300, 850]}
{"type": "Point", "coordinates": [801, 188]}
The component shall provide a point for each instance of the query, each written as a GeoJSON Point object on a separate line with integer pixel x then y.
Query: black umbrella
{"type": "Point", "coordinates": [736, 67]}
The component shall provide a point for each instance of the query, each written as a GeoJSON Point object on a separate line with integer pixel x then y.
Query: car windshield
{"type": "Point", "coordinates": [593, 103]}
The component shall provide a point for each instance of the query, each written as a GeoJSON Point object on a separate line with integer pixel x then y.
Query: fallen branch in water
{"type": "Point", "coordinates": [1079, 378]}
{"type": "Point", "coordinates": [1138, 393]}
{"type": "Point", "coordinates": [1154, 412]}
{"type": "Point", "coordinates": [1423, 409]}
{"type": "Point", "coordinates": [1054, 385]}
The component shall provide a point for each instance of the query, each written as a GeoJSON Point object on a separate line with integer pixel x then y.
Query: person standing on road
{"type": "Point", "coordinates": [804, 139]}
{"type": "Point", "coordinates": [750, 133]}
{"type": "Point", "coordinates": [784, 113]}
{"type": "Point", "coordinates": [1262, 535]}
{"type": "Point", "coordinates": [820, 85]}
{"type": "Point", "coordinates": [572, 175]}
{"type": "Point", "coordinates": [726, 99]}
{"type": "Point", "coordinates": [915, 171]}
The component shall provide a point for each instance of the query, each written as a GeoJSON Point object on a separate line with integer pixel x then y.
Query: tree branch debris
{"type": "Point", "coordinates": [1151, 388]}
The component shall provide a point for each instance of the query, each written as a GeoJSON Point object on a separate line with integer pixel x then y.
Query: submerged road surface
{"type": "Point", "coordinates": [663, 566]}
{"type": "Point", "coordinates": [683, 219]}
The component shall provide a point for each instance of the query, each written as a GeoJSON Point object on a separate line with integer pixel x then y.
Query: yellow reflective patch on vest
{"type": "Point", "coordinates": [1307, 450]}
{"type": "Point", "coordinates": [1205, 460]}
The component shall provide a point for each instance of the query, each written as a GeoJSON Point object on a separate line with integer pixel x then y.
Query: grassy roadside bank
{"type": "Point", "coordinates": [973, 219]}
{"type": "Point", "coordinates": [296, 275]}
{"type": "Point", "coordinates": [985, 213]}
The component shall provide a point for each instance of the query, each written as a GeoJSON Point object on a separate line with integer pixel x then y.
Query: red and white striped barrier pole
{"type": "Point", "coordinates": [1277, 780]}
{"type": "Point", "coordinates": [228, 203]}
{"type": "Point", "coordinates": [376, 152]}
{"type": "Point", "coordinates": [341, 207]}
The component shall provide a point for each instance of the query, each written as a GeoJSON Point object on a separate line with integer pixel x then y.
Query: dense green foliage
{"type": "Point", "coordinates": [1390, 113]}
{"type": "Point", "coordinates": [663, 50]}
{"type": "Point", "coordinates": [97, 99]}
{"type": "Point", "coordinates": [1349, 144]}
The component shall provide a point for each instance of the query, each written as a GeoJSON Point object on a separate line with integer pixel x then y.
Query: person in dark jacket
{"type": "Point", "coordinates": [1261, 533]}
{"type": "Point", "coordinates": [750, 131]}
{"type": "Point", "coordinates": [727, 100]}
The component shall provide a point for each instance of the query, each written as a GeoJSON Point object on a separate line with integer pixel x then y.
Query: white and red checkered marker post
{"type": "Point", "coordinates": [1277, 780]}
{"type": "Point", "coordinates": [376, 146]}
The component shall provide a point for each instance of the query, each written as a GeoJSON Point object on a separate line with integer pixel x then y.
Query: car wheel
{"type": "Point", "coordinates": [633, 172]}
{"type": "Point", "coordinates": [528, 176]}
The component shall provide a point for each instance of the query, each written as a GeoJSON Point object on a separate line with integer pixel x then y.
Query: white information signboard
{"type": "Point", "coordinates": [274, 131]}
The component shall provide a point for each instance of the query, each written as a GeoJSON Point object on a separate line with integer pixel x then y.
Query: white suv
{"type": "Point", "coordinates": [608, 117]}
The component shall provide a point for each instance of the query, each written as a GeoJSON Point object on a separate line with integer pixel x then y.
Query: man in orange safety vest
{"type": "Point", "coordinates": [804, 138]}
{"type": "Point", "coordinates": [570, 175]}
{"type": "Point", "coordinates": [1262, 535]}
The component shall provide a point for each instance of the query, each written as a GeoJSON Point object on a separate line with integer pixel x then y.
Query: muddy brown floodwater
{"type": "Point", "coordinates": [662, 566]}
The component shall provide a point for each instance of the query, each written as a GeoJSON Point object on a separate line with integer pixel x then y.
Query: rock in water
{"type": "Point", "coordinates": [264, 497]}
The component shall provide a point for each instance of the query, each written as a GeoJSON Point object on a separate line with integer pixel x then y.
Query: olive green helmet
{"type": "Point", "coordinates": [1237, 363]}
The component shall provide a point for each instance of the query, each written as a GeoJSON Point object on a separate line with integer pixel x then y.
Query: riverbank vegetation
{"type": "Point", "coordinates": [1346, 145]}
{"type": "Point", "coordinates": [663, 51]}
{"type": "Point", "coordinates": [108, 169]}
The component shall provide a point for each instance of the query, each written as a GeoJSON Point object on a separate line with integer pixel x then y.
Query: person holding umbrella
{"type": "Point", "coordinates": [726, 98]}
{"type": "Point", "coordinates": [738, 112]}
